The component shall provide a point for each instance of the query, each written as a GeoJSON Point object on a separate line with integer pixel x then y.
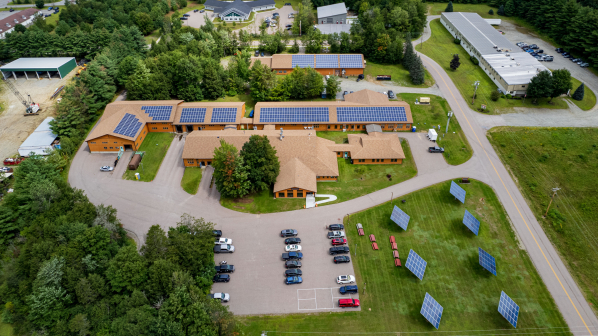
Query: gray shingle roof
{"type": "Point", "coordinates": [244, 6]}
{"type": "Point", "coordinates": [331, 10]}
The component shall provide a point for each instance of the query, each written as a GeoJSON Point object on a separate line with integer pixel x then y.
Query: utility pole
{"type": "Point", "coordinates": [554, 190]}
{"type": "Point", "coordinates": [476, 83]}
{"type": "Point", "coordinates": [299, 27]}
{"type": "Point", "coordinates": [450, 114]}
{"type": "Point", "coordinates": [391, 195]}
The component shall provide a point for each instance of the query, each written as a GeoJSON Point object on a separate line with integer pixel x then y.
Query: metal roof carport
{"type": "Point", "coordinates": [63, 65]}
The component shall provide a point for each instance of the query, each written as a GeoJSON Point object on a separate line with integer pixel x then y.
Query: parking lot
{"type": "Point", "coordinates": [284, 20]}
{"type": "Point", "coordinates": [197, 19]}
{"type": "Point", "coordinates": [320, 298]}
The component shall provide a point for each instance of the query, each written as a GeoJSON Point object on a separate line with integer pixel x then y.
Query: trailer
{"type": "Point", "coordinates": [432, 135]}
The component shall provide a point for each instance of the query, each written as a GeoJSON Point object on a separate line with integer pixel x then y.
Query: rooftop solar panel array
{"type": "Point", "coordinates": [416, 264]}
{"type": "Point", "coordinates": [158, 113]}
{"type": "Point", "coordinates": [193, 115]}
{"type": "Point", "coordinates": [351, 61]}
{"type": "Point", "coordinates": [224, 114]}
{"type": "Point", "coordinates": [371, 114]}
{"type": "Point", "coordinates": [432, 310]}
{"type": "Point", "coordinates": [303, 61]}
{"type": "Point", "coordinates": [128, 125]}
{"type": "Point", "coordinates": [487, 261]}
{"type": "Point", "coordinates": [458, 192]}
{"type": "Point", "coordinates": [326, 61]}
{"type": "Point", "coordinates": [294, 114]}
{"type": "Point", "coordinates": [400, 217]}
{"type": "Point", "coordinates": [471, 222]}
{"type": "Point", "coordinates": [508, 309]}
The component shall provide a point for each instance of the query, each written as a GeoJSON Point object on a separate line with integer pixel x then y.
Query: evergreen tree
{"type": "Point", "coordinates": [417, 73]}
{"type": "Point", "coordinates": [491, 12]}
{"type": "Point", "coordinates": [395, 52]}
{"type": "Point", "coordinates": [409, 57]}
{"type": "Point", "coordinates": [261, 81]}
{"type": "Point", "coordinates": [561, 82]}
{"type": "Point", "coordinates": [261, 162]}
{"type": "Point", "coordinates": [449, 7]}
{"type": "Point", "coordinates": [540, 86]}
{"type": "Point", "coordinates": [579, 92]}
{"type": "Point", "coordinates": [230, 173]}
{"type": "Point", "coordinates": [455, 62]}
{"type": "Point", "coordinates": [39, 4]}
{"type": "Point", "coordinates": [501, 10]}
{"type": "Point", "coordinates": [212, 84]}
{"type": "Point", "coordinates": [333, 86]}
{"type": "Point", "coordinates": [510, 8]}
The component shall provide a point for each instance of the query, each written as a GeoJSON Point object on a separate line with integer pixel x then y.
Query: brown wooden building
{"type": "Point", "coordinates": [325, 64]}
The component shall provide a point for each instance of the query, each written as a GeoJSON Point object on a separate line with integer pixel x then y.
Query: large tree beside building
{"type": "Point", "coordinates": [561, 82]}
{"type": "Point", "coordinates": [540, 86]}
{"type": "Point", "coordinates": [230, 172]}
{"type": "Point", "coordinates": [261, 162]}
{"type": "Point", "coordinates": [333, 86]}
{"type": "Point", "coordinates": [261, 81]}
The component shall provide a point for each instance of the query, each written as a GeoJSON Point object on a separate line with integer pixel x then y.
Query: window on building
{"type": "Point", "coordinates": [165, 128]}
{"type": "Point", "coordinates": [391, 126]}
{"type": "Point", "coordinates": [154, 128]}
{"type": "Point", "coordinates": [105, 142]}
{"type": "Point", "coordinates": [111, 147]}
{"type": "Point", "coordinates": [382, 160]}
{"type": "Point", "coordinates": [280, 194]}
{"type": "Point", "coordinates": [377, 160]}
{"type": "Point", "coordinates": [280, 72]}
{"type": "Point", "coordinates": [316, 126]}
{"type": "Point", "coordinates": [335, 126]}
{"type": "Point", "coordinates": [522, 86]}
{"type": "Point", "coordinates": [299, 193]}
{"type": "Point", "coordinates": [105, 147]}
{"type": "Point", "coordinates": [358, 126]}
{"type": "Point", "coordinates": [93, 142]}
{"type": "Point", "coordinates": [328, 126]}
{"type": "Point", "coordinates": [284, 71]}
{"type": "Point", "coordinates": [289, 193]}
{"type": "Point", "coordinates": [373, 160]}
{"type": "Point", "coordinates": [190, 161]}
{"type": "Point", "coordinates": [115, 142]}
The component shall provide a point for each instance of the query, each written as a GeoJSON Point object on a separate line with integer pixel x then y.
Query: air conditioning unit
{"type": "Point", "coordinates": [16, 21]}
{"type": "Point", "coordinates": [518, 64]}
{"type": "Point", "coordinates": [512, 58]}
{"type": "Point", "coordinates": [23, 16]}
{"type": "Point", "coordinates": [495, 47]}
{"type": "Point", "coordinates": [507, 55]}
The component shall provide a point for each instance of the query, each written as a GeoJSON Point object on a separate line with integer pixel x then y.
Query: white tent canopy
{"type": "Point", "coordinates": [39, 141]}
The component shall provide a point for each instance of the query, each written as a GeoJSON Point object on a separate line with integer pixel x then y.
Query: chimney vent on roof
{"type": "Point", "coordinates": [513, 58]}
{"type": "Point", "coordinates": [507, 55]}
{"type": "Point", "coordinates": [495, 47]}
{"type": "Point", "coordinates": [23, 16]}
{"type": "Point", "coordinates": [16, 21]}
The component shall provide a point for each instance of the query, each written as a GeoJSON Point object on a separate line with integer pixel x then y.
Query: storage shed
{"type": "Point", "coordinates": [39, 66]}
{"type": "Point", "coordinates": [39, 141]}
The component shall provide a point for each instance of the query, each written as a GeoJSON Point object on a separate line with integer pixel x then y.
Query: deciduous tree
{"type": "Point", "coordinates": [230, 173]}
{"type": "Point", "coordinates": [561, 82]}
{"type": "Point", "coordinates": [540, 86]}
{"type": "Point", "coordinates": [261, 161]}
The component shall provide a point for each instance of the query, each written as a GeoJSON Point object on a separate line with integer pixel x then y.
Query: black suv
{"type": "Point", "coordinates": [341, 259]}
{"type": "Point", "coordinates": [289, 241]}
{"type": "Point", "coordinates": [217, 233]}
{"type": "Point", "coordinates": [221, 278]}
{"type": "Point", "coordinates": [225, 269]}
{"type": "Point", "coordinates": [559, 50]}
{"type": "Point", "coordinates": [436, 149]}
{"type": "Point", "coordinates": [391, 95]}
{"type": "Point", "coordinates": [336, 227]}
{"type": "Point", "coordinates": [292, 264]}
{"type": "Point", "coordinates": [339, 250]}
{"type": "Point", "coordinates": [288, 233]}
{"type": "Point", "coordinates": [293, 272]}
{"type": "Point", "coordinates": [348, 290]}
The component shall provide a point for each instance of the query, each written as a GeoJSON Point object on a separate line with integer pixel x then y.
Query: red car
{"type": "Point", "coordinates": [339, 241]}
{"type": "Point", "coordinates": [343, 303]}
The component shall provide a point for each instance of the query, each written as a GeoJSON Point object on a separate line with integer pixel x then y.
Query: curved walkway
{"type": "Point", "coordinates": [141, 205]}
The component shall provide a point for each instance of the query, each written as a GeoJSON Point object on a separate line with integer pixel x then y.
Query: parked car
{"type": "Point", "coordinates": [539, 58]}
{"type": "Point", "coordinates": [533, 46]}
{"type": "Point", "coordinates": [559, 50]}
{"type": "Point", "coordinates": [289, 26]}
{"type": "Point", "coordinates": [50, 8]}
{"type": "Point", "coordinates": [224, 249]}
{"type": "Point", "coordinates": [184, 18]}
{"type": "Point", "coordinates": [336, 234]}
{"type": "Point", "coordinates": [47, 15]}
{"type": "Point", "coordinates": [293, 280]}
{"type": "Point", "coordinates": [338, 250]}
{"type": "Point", "coordinates": [436, 149]}
{"type": "Point", "coordinates": [345, 92]}
{"type": "Point", "coordinates": [341, 259]}
{"type": "Point", "coordinates": [391, 95]}
{"type": "Point", "coordinates": [575, 60]}
{"type": "Point", "coordinates": [584, 65]}
{"type": "Point", "coordinates": [292, 264]}
{"type": "Point", "coordinates": [262, 54]}
{"type": "Point", "coordinates": [344, 303]}
{"type": "Point", "coordinates": [6, 169]}
{"type": "Point", "coordinates": [275, 15]}
{"type": "Point", "coordinates": [292, 248]}
{"type": "Point", "coordinates": [217, 233]}
{"type": "Point", "coordinates": [202, 10]}
{"type": "Point", "coordinates": [338, 241]}
{"type": "Point", "coordinates": [345, 279]}
{"type": "Point", "coordinates": [539, 51]}
{"type": "Point", "coordinates": [336, 227]}
{"type": "Point", "coordinates": [11, 10]}
{"type": "Point", "coordinates": [273, 25]}
{"type": "Point", "coordinates": [107, 168]}
{"type": "Point", "coordinates": [223, 241]}
{"type": "Point", "coordinates": [548, 58]}
{"type": "Point", "coordinates": [348, 289]}
{"type": "Point", "coordinates": [225, 269]}
{"type": "Point", "coordinates": [529, 51]}
{"type": "Point", "coordinates": [292, 256]}
{"type": "Point", "coordinates": [293, 272]}
{"type": "Point", "coordinates": [288, 233]}
{"type": "Point", "coordinates": [223, 297]}
{"type": "Point", "coordinates": [195, 10]}
{"type": "Point", "coordinates": [287, 4]}
{"type": "Point", "coordinates": [221, 278]}
{"type": "Point", "coordinates": [257, 53]}
{"type": "Point", "coordinates": [292, 241]}
{"type": "Point", "coordinates": [186, 15]}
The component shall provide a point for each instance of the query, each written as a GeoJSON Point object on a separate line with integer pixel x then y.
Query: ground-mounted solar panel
{"type": "Point", "coordinates": [351, 61]}
{"type": "Point", "coordinates": [432, 310]}
{"type": "Point", "coordinates": [294, 114]}
{"type": "Point", "coordinates": [128, 125]}
{"type": "Point", "coordinates": [471, 222]}
{"type": "Point", "coordinates": [416, 264]}
{"type": "Point", "coordinates": [326, 61]}
{"type": "Point", "coordinates": [508, 309]}
{"type": "Point", "coordinates": [400, 217]}
{"type": "Point", "coordinates": [303, 61]}
{"type": "Point", "coordinates": [371, 114]}
{"type": "Point", "coordinates": [224, 114]}
{"type": "Point", "coordinates": [487, 261]}
{"type": "Point", "coordinates": [158, 113]}
{"type": "Point", "coordinates": [458, 192]}
{"type": "Point", "coordinates": [193, 115]}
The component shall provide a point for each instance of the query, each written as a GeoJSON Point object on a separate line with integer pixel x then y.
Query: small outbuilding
{"type": "Point", "coordinates": [40, 141]}
{"type": "Point", "coordinates": [332, 14]}
{"type": "Point", "coordinates": [37, 67]}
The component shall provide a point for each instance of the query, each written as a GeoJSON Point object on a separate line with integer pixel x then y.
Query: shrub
{"type": "Point", "coordinates": [509, 96]}
{"type": "Point", "coordinates": [474, 60]}
{"type": "Point", "coordinates": [502, 96]}
{"type": "Point", "coordinates": [491, 12]}
{"type": "Point", "coordinates": [494, 95]}
{"type": "Point", "coordinates": [457, 41]}
{"type": "Point", "coordinates": [544, 157]}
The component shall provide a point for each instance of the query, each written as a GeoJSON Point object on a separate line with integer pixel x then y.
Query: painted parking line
{"type": "Point", "coordinates": [307, 299]}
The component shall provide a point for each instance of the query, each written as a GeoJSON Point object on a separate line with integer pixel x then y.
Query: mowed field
{"type": "Point", "coordinates": [391, 297]}
{"type": "Point", "coordinates": [544, 158]}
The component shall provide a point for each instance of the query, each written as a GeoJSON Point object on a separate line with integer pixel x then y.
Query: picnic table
{"type": "Point", "coordinates": [375, 246]}
{"type": "Point", "coordinates": [372, 238]}
{"type": "Point", "coordinates": [398, 262]}
{"type": "Point", "coordinates": [395, 254]}
{"type": "Point", "coordinates": [392, 239]}
{"type": "Point", "coordinates": [360, 231]}
{"type": "Point", "coordinates": [394, 246]}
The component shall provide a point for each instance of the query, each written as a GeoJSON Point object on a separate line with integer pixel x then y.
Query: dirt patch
{"type": "Point", "coordinates": [371, 79]}
{"type": "Point", "coordinates": [14, 126]}
{"type": "Point", "coordinates": [243, 200]}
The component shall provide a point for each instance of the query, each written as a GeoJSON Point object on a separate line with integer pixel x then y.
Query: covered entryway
{"type": "Point", "coordinates": [179, 129]}
{"type": "Point", "coordinates": [189, 128]}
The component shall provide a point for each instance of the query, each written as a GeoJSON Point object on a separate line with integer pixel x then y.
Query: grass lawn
{"type": "Point", "coordinates": [589, 98]}
{"type": "Point", "coordinates": [543, 158]}
{"type": "Point", "coordinates": [482, 9]}
{"type": "Point", "coordinates": [353, 181]}
{"type": "Point", "coordinates": [400, 76]}
{"type": "Point", "coordinates": [54, 18]}
{"type": "Point", "coordinates": [154, 36]}
{"type": "Point", "coordinates": [191, 179]}
{"type": "Point", "coordinates": [469, 294]}
{"type": "Point", "coordinates": [155, 145]}
{"type": "Point", "coordinates": [294, 3]}
{"type": "Point", "coordinates": [440, 48]}
{"type": "Point", "coordinates": [5, 329]}
{"type": "Point", "coordinates": [457, 149]}
{"type": "Point", "coordinates": [236, 25]}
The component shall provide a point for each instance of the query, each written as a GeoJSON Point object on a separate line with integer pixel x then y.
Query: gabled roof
{"type": "Point", "coordinates": [221, 6]}
{"type": "Point", "coordinates": [376, 145]}
{"type": "Point", "coordinates": [209, 106]}
{"type": "Point", "coordinates": [237, 6]}
{"type": "Point", "coordinates": [367, 97]}
{"type": "Point", "coordinates": [295, 174]}
{"type": "Point", "coordinates": [264, 60]}
{"type": "Point", "coordinates": [16, 16]}
{"type": "Point", "coordinates": [331, 10]}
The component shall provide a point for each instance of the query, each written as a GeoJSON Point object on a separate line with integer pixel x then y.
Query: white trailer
{"type": "Point", "coordinates": [432, 135]}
